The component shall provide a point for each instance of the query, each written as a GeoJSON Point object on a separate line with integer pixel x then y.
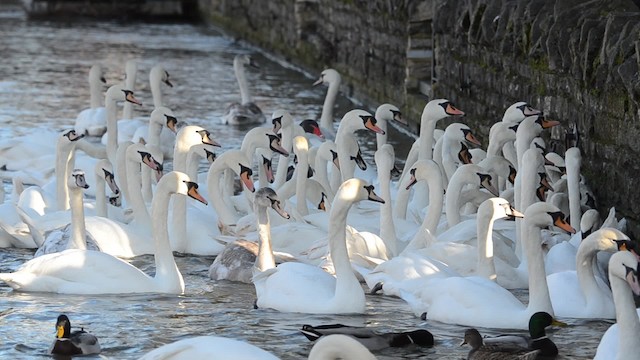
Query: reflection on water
{"type": "Point", "coordinates": [43, 86]}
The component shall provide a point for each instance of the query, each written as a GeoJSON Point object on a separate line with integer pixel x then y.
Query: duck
{"type": "Point", "coordinates": [64, 272]}
{"type": "Point", "coordinates": [70, 343]}
{"type": "Point", "coordinates": [620, 341]}
{"type": "Point", "coordinates": [245, 112]}
{"type": "Point", "coordinates": [480, 351]}
{"type": "Point", "coordinates": [93, 121]}
{"type": "Point", "coordinates": [537, 338]}
{"type": "Point", "coordinates": [449, 300]}
{"type": "Point", "coordinates": [235, 262]}
{"type": "Point", "coordinates": [309, 289]}
{"type": "Point", "coordinates": [372, 340]}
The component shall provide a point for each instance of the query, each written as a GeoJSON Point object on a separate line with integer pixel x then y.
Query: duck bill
{"type": "Point", "coordinates": [246, 180]}
{"type": "Point", "coordinates": [159, 174]}
{"type": "Point", "coordinates": [336, 161]}
{"type": "Point", "coordinates": [318, 82]}
{"type": "Point", "coordinates": [464, 155]}
{"type": "Point", "coordinates": [111, 182]}
{"type": "Point", "coordinates": [559, 323]}
{"type": "Point", "coordinates": [172, 123]}
{"type": "Point", "coordinates": [277, 125]}
{"type": "Point", "coordinates": [169, 84]}
{"type": "Point", "coordinates": [398, 117]}
{"type": "Point", "coordinates": [453, 111]}
{"type": "Point", "coordinates": [359, 161]}
{"type": "Point", "coordinates": [515, 213]}
{"type": "Point", "coordinates": [541, 193]}
{"type": "Point", "coordinates": [374, 197]}
{"type": "Point", "coordinates": [529, 111]}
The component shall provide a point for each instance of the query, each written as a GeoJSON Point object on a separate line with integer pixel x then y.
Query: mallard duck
{"type": "Point", "coordinates": [372, 340]}
{"type": "Point", "coordinates": [480, 351]}
{"type": "Point", "coordinates": [537, 340]}
{"type": "Point", "coordinates": [78, 342]}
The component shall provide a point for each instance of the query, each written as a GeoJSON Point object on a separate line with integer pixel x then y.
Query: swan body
{"type": "Point", "coordinates": [581, 293]}
{"type": "Point", "coordinates": [77, 271]}
{"type": "Point", "coordinates": [450, 300]}
{"type": "Point", "coordinates": [296, 287]}
{"type": "Point", "coordinates": [93, 121]}
{"type": "Point", "coordinates": [245, 112]}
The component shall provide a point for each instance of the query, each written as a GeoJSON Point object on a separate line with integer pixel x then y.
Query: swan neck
{"type": "Point", "coordinates": [245, 95]}
{"type": "Point", "coordinates": [301, 184]}
{"type": "Point", "coordinates": [585, 261]}
{"type": "Point", "coordinates": [95, 92]}
{"type": "Point", "coordinates": [140, 211]}
{"type": "Point", "coordinates": [64, 160]}
{"type": "Point", "coordinates": [387, 226]}
{"type": "Point", "coordinates": [225, 215]}
{"type": "Point", "coordinates": [112, 129]}
{"type": "Point", "coordinates": [573, 188]}
{"type": "Point", "coordinates": [338, 245]}
{"type": "Point", "coordinates": [101, 195]}
{"type": "Point", "coordinates": [156, 92]}
{"type": "Point", "coordinates": [539, 299]}
{"type": "Point", "coordinates": [265, 259]}
{"type": "Point", "coordinates": [626, 317]}
{"type": "Point", "coordinates": [167, 273]}
{"type": "Point", "coordinates": [77, 220]}
{"type": "Point", "coordinates": [486, 266]}
{"type": "Point", "coordinates": [326, 118]}
{"type": "Point", "coordinates": [427, 128]}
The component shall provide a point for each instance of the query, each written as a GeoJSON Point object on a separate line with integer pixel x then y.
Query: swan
{"type": "Point", "coordinates": [447, 146]}
{"type": "Point", "coordinates": [332, 79]}
{"type": "Point", "coordinates": [296, 287]}
{"type": "Point", "coordinates": [386, 113]}
{"type": "Point", "coordinates": [475, 301]}
{"type": "Point", "coordinates": [245, 112]}
{"type": "Point", "coordinates": [262, 138]}
{"type": "Point", "coordinates": [77, 271]}
{"type": "Point", "coordinates": [372, 340]}
{"type": "Point", "coordinates": [92, 121]}
{"type": "Point", "coordinates": [238, 258]}
{"type": "Point", "coordinates": [465, 174]}
{"type": "Point", "coordinates": [515, 114]}
{"type": "Point", "coordinates": [72, 236]}
{"type": "Point", "coordinates": [130, 75]}
{"type": "Point", "coordinates": [236, 161]}
{"type": "Point", "coordinates": [325, 154]}
{"type": "Point", "coordinates": [330, 347]}
{"type": "Point", "coordinates": [190, 239]}
{"type": "Point", "coordinates": [70, 343]}
{"type": "Point", "coordinates": [346, 142]}
{"type": "Point", "coordinates": [433, 111]}
{"type": "Point", "coordinates": [581, 293]}
{"type": "Point", "coordinates": [137, 155]}
{"type": "Point", "coordinates": [620, 341]}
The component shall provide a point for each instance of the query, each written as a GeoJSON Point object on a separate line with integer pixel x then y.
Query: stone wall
{"type": "Point", "coordinates": [577, 60]}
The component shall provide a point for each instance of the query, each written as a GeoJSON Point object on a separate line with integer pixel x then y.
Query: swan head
{"type": "Point", "coordinates": [541, 214]}
{"type": "Point", "coordinates": [71, 136]}
{"type": "Point", "coordinates": [626, 266]}
{"type": "Point", "coordinates": [206, 139]}
{"type": "Point", "coordinates": [439, 109]}
{"type": "Point", "coordinates": [518, 111]}
{"type": "Point", "coordinates": [612, 239]}
{"type": "Point", "coordinates": [389, 112]}
{"type": "Point", "coordinates": [300, 145]}
{"type": "Point", "coordinates": [498, 208]}
{"type": "Point", "coordinates": [109, 179]}
{"type": "Point", "coordinates": [77, 180]}
{"type": "Point", "coordinates": [281, 118]}
{"type": "Point", "coordinates": [267, 197]}
{"type": "Point", "coordinates": [423, 170]}
{"type": "Point", "coordinates": [462, 132]}
{"type": "Point", "coordinates": [275, 145]}
{"type": "Point", "coordinates": [159, 74]}
{"type": "Point", "coordinates": [266, 163]}
{"type": "Point", "coordinates": [149, 155]}
{"type": "Point", "coordinates": [355, 189]}
{"type": "Point", "coordinates": [245, 59]}
{"type": "Point", "coordinates": [163, 116]}
{"type": "Point", "coordinates": [328, 76]}
{"type": "Point", "coordinates": [311, 126]}
{"type": "Point", "coordinates": [96, 75]}
{"type": "Point", "coordinates": [245, 176]}
{"type": "Point", "coordinates": [589, 222]}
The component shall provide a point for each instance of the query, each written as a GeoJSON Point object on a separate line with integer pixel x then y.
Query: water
{"type": "Point", "coordinates": [43, 86]}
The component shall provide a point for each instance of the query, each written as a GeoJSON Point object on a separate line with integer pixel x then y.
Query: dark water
{"type": "Point", "coordinates": [43, 70]}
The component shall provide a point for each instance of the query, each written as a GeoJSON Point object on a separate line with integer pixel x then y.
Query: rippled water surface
{"type": "Point", "coordinates": [43, 85]}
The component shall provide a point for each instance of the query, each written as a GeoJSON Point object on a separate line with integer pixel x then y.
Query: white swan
{"type": "Point", "coordinates": [476, 301]}
{"type": "Point", "coordinates": [91, 272]}
{"type": "Point", "coordinates": [333, 79]}
{"type": "Point", "coordinates": [465, 174]}
{"type": "Point", "coordinates": [447, 148]}
{"type": "Point", "coordinates": [329, 347]}
{"type": "Point", "coordinates": [581, 293]}
{"type": "Point", "coordinates": [245, 112]}
{"type": "Point", "coordinates": [93, 121]}
{"type": "Point", "coordinates": [386, 113]}
{"type": "Point", "coordinates": [346, 142]}
{"type": "Point", "coordinates": [621, 340]}
{"type": "Point", "coordinates": [296, 287]}
{"type": "Point", "coordinates": [72, 236]}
